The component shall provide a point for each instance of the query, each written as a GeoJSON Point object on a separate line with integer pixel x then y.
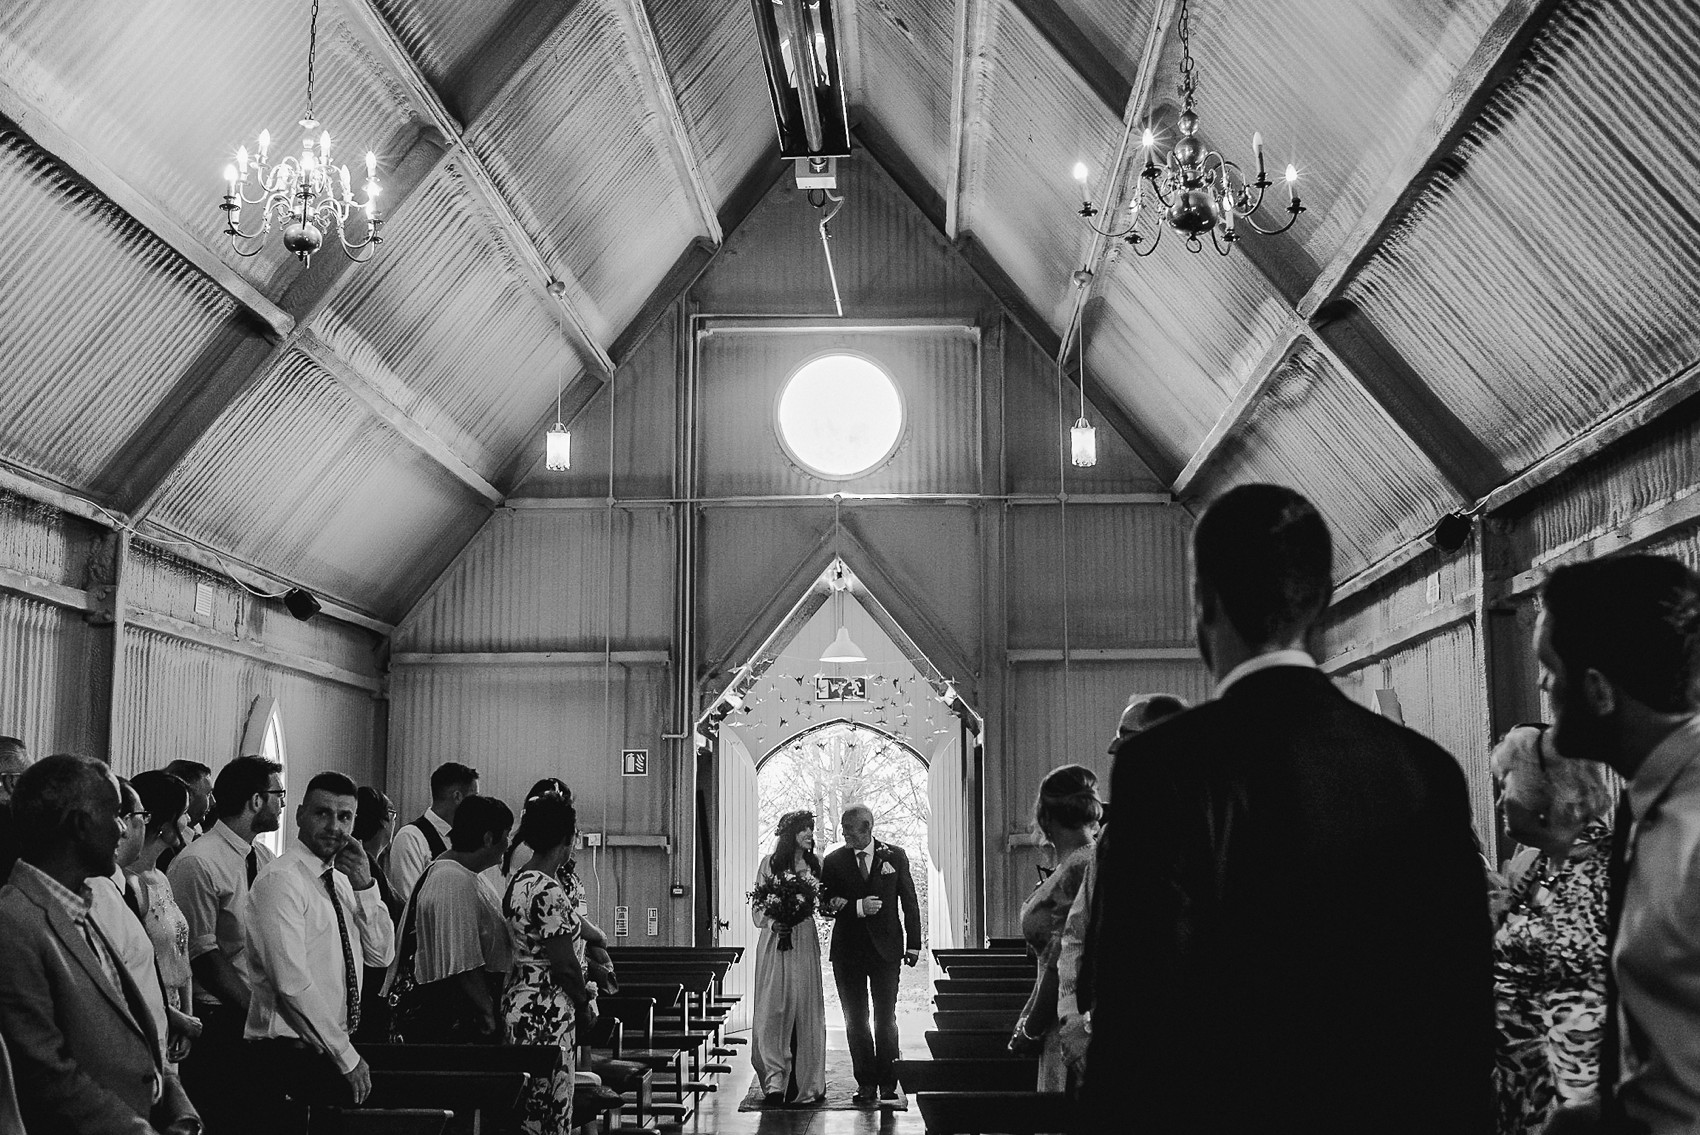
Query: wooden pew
{"type": "Point", "coordinates": [968, 1019]}
{"type": "Point", "coordinates": [660, 1053]}
{"type": "Point", "coordinates": [946, 1001]}
{"type": "Point", "coordinates": [967, 1043]}
{"type": "Point", "coordinates": [987, 1074]}
{"type": "Point", "coordinates": [479, 1097]}
{"type": "Point", "coordinates": [378, 1121]}
{"type": "Point", "coordinates": [1017, 944]}
{"type": "Point", "coordinates": [1002, 1113]}
{"type": "Point", "coordinates": [984, 972]}
{"type": "Point", "coordinates": [959, 985]}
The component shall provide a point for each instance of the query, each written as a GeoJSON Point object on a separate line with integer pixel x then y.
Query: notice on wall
{"type": "Point", "coordinates": [634, 762]}
{"type": "Point", "coordinates": [840, 689]}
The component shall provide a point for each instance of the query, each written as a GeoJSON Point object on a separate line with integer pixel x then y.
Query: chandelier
{"type": "Point", "coordinates": [300, 193]}
{"type": "Point", "coordinates": [1197, 190]}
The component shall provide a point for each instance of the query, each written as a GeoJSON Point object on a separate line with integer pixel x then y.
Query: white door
{"type": "Point", "coordinates": [740, 840]}
{"type": "Point", "coordinates": [947, 843]}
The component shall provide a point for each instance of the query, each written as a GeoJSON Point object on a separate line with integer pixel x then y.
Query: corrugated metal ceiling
{"type": "Point", "coordinates": [1527, 320]}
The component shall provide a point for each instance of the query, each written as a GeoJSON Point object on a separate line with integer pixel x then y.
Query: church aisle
{"type": "Point", "coordinates": [720, 1115]}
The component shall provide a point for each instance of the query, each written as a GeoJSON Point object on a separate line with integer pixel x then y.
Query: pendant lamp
{"type": "Point", "coordinates": [842, 648]}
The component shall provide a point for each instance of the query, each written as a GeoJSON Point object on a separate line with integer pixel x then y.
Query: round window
{"type": "Point", "coordinates": [840, 415]}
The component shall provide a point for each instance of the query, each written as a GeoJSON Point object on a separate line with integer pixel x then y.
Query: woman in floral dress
{"type": "Point", "coordinates": [546, 995]}
{"type": "Point", "coordinates": [1549, 947]}
{"type": "Point", "coordinates": [166, 800]}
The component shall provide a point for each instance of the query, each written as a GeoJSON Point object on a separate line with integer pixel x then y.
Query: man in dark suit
{"type": "Point", "coordinates": [81, 1039]}
{"type": "Point", "coordinates": [1290, 927]}
{"type": "Point", "coordinates": [862, 885]}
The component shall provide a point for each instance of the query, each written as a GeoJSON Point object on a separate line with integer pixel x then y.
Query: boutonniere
{"type": "Point", "coordinates": [887, 869]}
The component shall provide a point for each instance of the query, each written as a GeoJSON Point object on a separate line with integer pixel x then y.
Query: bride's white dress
{"type": "Point", "coordinates": [788, 1041]}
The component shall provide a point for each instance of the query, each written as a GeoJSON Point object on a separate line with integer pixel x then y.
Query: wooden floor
{"type": "Point", "coordinates": [720, 1115]}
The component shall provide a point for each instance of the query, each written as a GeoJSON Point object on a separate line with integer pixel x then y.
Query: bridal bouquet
{"type": "Point", "coordinates": [787, 898]}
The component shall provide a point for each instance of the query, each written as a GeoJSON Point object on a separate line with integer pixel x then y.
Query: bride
{"type": "Point", "coordinates": [788, 1047]}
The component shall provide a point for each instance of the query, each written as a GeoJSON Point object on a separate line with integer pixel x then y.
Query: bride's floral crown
{"type": "Point", "coordinates": [792, 822]}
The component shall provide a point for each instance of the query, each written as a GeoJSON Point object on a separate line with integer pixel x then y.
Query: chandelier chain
{"type": "Point", "coordinates": [1189, 82]}
{"type": "Point", "coordinates": [312, 55]}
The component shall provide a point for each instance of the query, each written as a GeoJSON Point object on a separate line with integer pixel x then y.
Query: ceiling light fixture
{"type": "Point", "coordinates": [558, 442]}
{"type": "Point", "coordinates": [842, 648]}
{"type": "Point", "coordinates": [799, 47]}
{"type": "Point", "coordinates": [300, 193]}
{"type": "Point", "coordinates": [1198, 189]}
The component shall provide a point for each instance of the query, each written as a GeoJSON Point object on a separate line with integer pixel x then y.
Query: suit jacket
{"type": "Point", "coordinates": [879, 938]}
{"type": "Point", "coordinates": [84, 1060]}
{"type": "Point", "coordinates": [1291, 925]}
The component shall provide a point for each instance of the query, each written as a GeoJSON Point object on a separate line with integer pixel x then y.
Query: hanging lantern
{"type": "Point", "coordinates": [1084, 443]}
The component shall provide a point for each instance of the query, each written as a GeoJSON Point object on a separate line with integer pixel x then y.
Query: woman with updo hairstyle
{"type": "Point", "coordinates": [1549, 946]}
{"type": "Point", "coordinates": [546, 994]}
{"type": "Point", "coordinates": [1068, 813]}
{"type": "Point", "coordinates": [166, 801]}
{"type": "Point", "coordinates": [788, 1037]}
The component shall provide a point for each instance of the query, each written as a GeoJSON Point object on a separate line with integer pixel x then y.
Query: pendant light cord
{"type": "Point", "coordinates": [312, 55]}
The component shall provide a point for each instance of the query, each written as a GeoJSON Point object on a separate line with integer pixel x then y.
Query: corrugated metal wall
{"type": "Point", "coordinates": [936, 372]}
{"type": "Point", "coordinates": [517, 724]}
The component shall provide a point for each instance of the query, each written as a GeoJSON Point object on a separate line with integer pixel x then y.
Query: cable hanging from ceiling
{"type": "Point", "coordinates": [299, 193]}
{"type": "Point", "coordinates": [558, 442]}
{"type": "Point", "coordinates": [1195, 188]}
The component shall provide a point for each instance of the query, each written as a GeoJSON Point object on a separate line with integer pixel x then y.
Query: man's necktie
{"type": "Point", "coordinates": [253, 864]}
{"type": "Point", "coordinates": [350, 980]}
{"type": "Point", "coordinates": [862, 864]}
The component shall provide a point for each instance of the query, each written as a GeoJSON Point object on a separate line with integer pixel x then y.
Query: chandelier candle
{"type": "Point", "coordinates": [1200, 191]}
{"type": "Point", "coordinates": [298, 193]}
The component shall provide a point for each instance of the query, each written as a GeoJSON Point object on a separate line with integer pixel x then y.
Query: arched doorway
{"type": "Point", "coordinates": [830, 766]}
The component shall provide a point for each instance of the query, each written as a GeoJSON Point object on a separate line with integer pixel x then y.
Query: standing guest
{"type": "Point", "coordinates": [314, 918]}
{"type": "Point", "coordinates": [199, 779]}
{"type": "Point", "coordinates": [1549, 950]}
{"type": "Point", "coordinates": [546, 995]}
{"type": "Point", "coordinates": [374, 824]}
{"type": "Point", "coordinates": [115, 912]}
{"type": "Point", "coordinates": [374, 827]}
{"type": "Point", "coordinates": [83, 1046]}
{"type": "Point", "coordinates": [1291, 916]}
{"type": "Point", "coordinates": [454, 944]}
{"type": "Point", "coordinates": [1068, 812]}
{"type": "Point", "coordinates": [1619, 644]}
{"type": "Point", "coordinates": [1074, 982]}
{"type": "Point", "coordinates": [863, 883]}
{"type": "Point", "coordinates": [14, 759]}
{"type": "Point", "coordinates": [165, 802]}
{"type": "Point", "coordinates": [210, 880]}
{"type": "Point", "coordinates": [427, 837]}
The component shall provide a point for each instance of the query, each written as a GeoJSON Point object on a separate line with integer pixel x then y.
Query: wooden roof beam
{"type": "Point", "coordinates": [140, 469]}
{"type": "Point", "coordinates": [575, 303]}
{"type": "Point", "coordinates": [1454, 449]}
{"type": "Point", "coordinates": [972, 19]}
{"type": "Point", "coordinates": [658, 89]}
{"type": "Point", "coordinates": [38, 126]}
{"type": "Point", "coordinates": [1494, 58]}
{"type": "Point", "coordinates": [992, 277]}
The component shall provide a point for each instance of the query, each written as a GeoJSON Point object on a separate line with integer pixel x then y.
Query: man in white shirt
{"type": "Point", "coordinates": [315, 918]}
{"type": "Point", "coordinates": [210, 880]}
{"type": "Point", "coordinates": [1619, 642]}
{"type": "Point", "coordinates": [425, 838]}
{"type": "Point", "coordinates": [454, 937]}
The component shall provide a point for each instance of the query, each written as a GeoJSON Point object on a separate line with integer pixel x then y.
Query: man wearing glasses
{"type": "Point", "coordinates": [210, 880]}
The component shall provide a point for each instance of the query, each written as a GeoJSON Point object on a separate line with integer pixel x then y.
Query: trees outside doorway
{"type": "Point", "coordinates": [840, 763]}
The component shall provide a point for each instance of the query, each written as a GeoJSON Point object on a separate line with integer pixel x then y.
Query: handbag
{"type": "Point", "coordinates": [433, 1012]}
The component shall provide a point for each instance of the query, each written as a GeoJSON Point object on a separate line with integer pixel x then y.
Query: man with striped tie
{"type": "Point", "coordinates": [315, 921]}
